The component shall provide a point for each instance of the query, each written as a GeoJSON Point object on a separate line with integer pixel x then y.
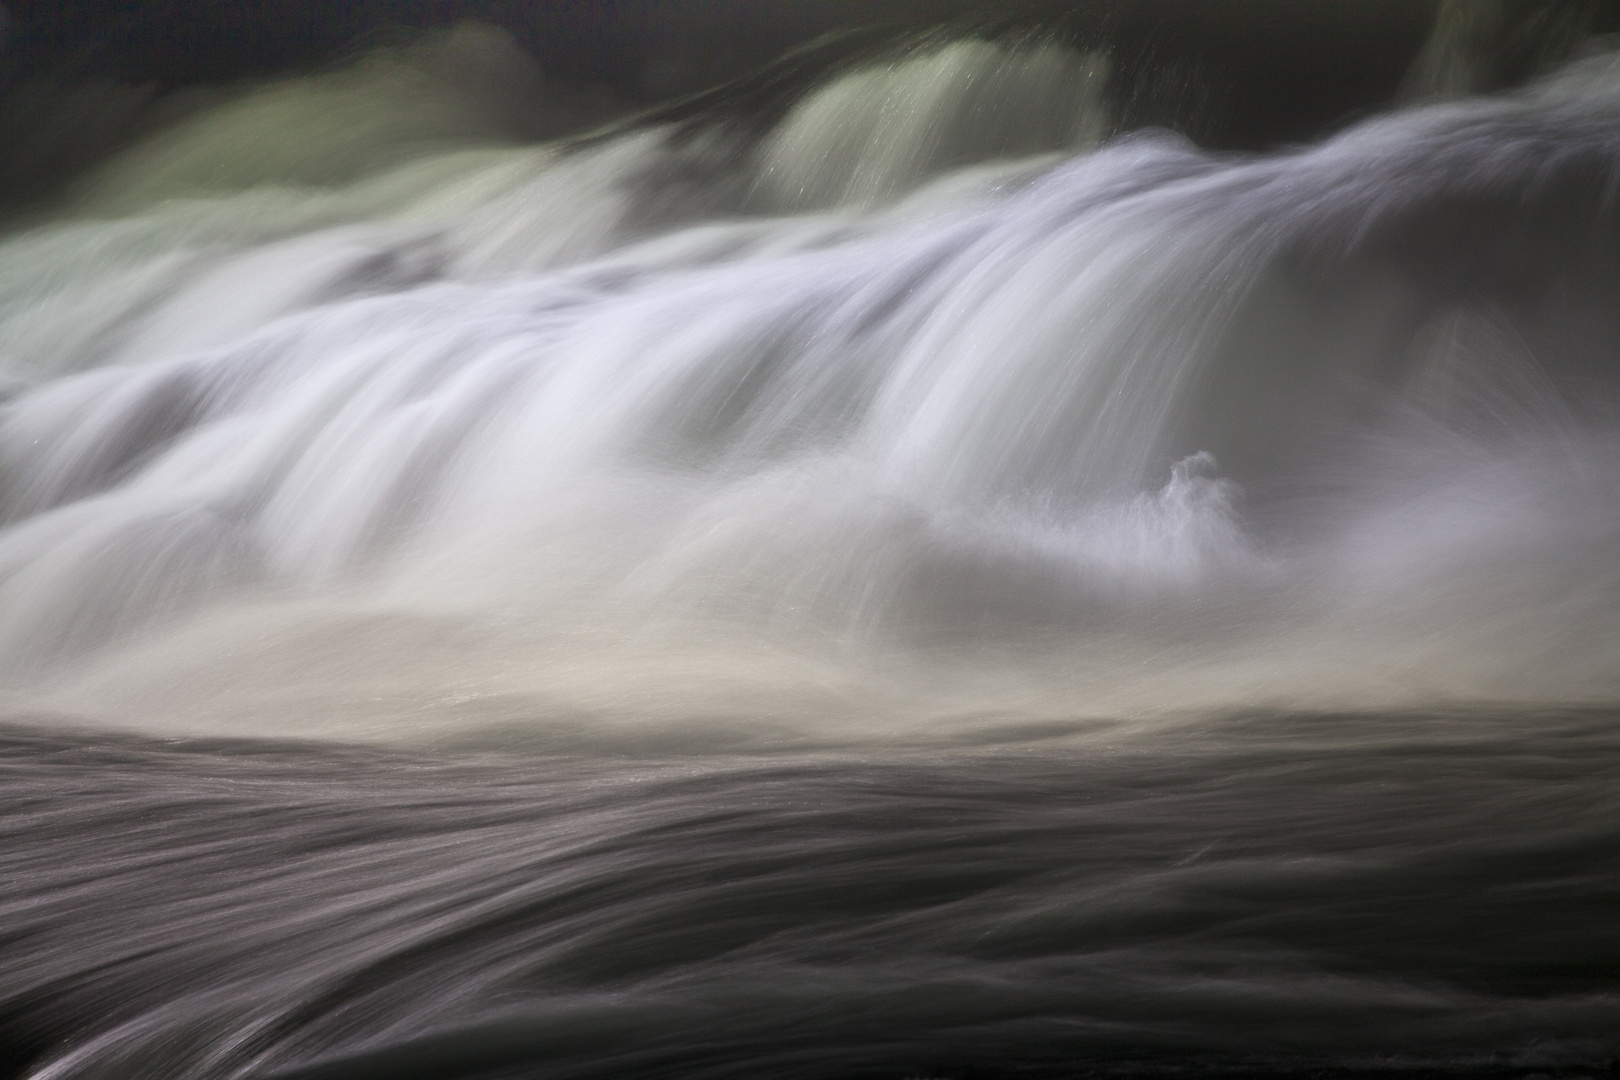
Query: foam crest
{"type": "Point", "coordinates": [875, 132]}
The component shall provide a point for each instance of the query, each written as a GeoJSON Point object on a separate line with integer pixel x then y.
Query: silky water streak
{"type": "Point", "coordinates": [1140, 429]}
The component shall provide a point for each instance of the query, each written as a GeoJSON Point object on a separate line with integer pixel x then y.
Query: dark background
{"type": "Point", "coordinates": [1273, 71]}
{"type": "Point", "coordinates": [1296, 64]}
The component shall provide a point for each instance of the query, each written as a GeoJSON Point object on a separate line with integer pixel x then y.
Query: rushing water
{"type": "Point", "coordinates": [902, 579]}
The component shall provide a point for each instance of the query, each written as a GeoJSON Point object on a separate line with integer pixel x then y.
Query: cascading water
{"type": "Point", "coordinates": [912, 489]}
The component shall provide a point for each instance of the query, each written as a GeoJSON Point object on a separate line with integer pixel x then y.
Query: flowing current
{"type": "Point", "coordinates": [912, 580]}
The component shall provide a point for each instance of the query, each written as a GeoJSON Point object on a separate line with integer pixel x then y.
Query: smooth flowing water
{"type": "Point", "coordinates": [907, 581]}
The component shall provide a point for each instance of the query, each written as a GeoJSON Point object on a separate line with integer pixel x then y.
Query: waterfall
{"type": "Point", "coordinates": [937, 376]}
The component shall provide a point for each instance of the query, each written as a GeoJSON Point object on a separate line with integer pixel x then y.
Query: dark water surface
{"type": "Point", "coordinates": [1409, 893]}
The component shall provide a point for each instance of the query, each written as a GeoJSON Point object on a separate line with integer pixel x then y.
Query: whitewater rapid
{"type": "Point", "coordinates": [877, 570]}
{"type": "Point", "coordinates": [935, 407]}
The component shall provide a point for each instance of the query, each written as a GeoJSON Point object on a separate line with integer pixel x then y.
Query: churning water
{"type": "Point", "coordinates": [900, 580]}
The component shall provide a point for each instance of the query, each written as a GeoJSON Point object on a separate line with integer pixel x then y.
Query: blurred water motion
{"type": "Point", "coordinates": [885, 568]}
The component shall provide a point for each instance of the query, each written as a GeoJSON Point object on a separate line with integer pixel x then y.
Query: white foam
{"type": "Point", "coordinates": [505, 437]}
